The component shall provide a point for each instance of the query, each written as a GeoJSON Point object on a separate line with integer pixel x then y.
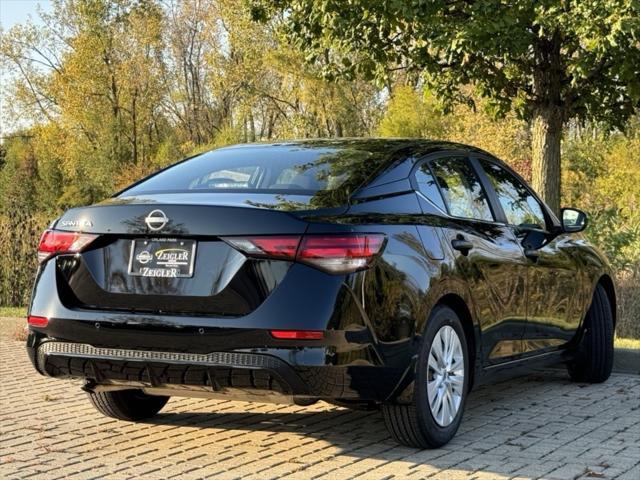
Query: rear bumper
{"type": "Point", "coordinates": [229, 374]}
{"type": "Point", "coordinates": [202, 353]}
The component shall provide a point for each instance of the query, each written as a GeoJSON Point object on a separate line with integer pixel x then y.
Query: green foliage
{"type": "Point", "coordinates": [112, 90]}
{"type": "Point", "coordinates": [409, 114]}
{"type": "Point", "coordinates": [497, 47]}
{"type": "Point", "coordinates": [547, 61]}
{"type": "Point", "coordinates": [603, 178]}
{"type": "Point", "coordinates": [414, 112]}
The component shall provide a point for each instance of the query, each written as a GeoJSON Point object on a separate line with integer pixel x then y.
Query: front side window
{"type": "Point", "coordinates": [519, 205]}
{"type": "Point", "coordinates": [461, 188]}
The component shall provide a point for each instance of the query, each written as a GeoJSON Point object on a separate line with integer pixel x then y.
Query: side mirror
{"type": "Point", "coordinates": [573, 220]}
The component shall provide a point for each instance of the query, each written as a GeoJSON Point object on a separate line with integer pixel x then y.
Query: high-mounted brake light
{"type": "Point", "coordinates": [53, 242]}
{"type": "Point", "coordinates": [332, 253]}
{"type": "Point", "coordinates": [297, 334]}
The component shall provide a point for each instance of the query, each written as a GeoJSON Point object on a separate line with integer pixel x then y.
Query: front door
{"type": "Point", "coordinates": [555, 285]}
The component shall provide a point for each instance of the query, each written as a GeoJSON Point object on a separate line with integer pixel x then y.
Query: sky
{"type": "Point", "coordinates": [13, 12]}
{"type": "Point", "coordinates": [18, 11]}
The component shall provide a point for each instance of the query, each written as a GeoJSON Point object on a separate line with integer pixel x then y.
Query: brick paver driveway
{"type": "Point", "coordinates": [538, 426]}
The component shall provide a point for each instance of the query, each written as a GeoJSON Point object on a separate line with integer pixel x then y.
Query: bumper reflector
{"type": "Point", "coordinates": [37, 321]}
{"type": "Point", "coordinates": [297, 334]}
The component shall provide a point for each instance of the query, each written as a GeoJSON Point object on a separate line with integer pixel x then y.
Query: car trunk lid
{"type": "Point", "coordinates": [164, 254]}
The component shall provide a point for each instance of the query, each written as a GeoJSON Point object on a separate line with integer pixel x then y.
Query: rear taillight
{"type": "Point", "coordinates": [274, 247]}
{"type": "Point", "coordinates": [331, 253]}
{"type": "Point", "coordinates": [340, 254]}
{"type": "Point", "coordinates": [53, 242]}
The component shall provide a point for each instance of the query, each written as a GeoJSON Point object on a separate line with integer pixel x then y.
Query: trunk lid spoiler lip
{"type": "Point", "coordinates": [294, 203]}
{"type": "Point", "coordinates": [184, 220]}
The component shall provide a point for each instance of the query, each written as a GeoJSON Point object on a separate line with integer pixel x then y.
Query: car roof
{"type": "Point", "coordinates": [377, 145]}
{"type": "Point", "coordinates": [398, 155]}
{"type": "Point", "coordinates": [396, 151]}
{"type": "Point", "coordinates": [391, 159]}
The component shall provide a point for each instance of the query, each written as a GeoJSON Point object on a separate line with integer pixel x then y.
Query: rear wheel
{"type": "Point", "coordinates": [593, 360]}
{"type": "Point", "coordinates": [129, 405]}
{"type": "Point", "coordinates": [440, 390]}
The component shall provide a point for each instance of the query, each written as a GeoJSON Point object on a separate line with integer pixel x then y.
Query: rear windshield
{"type": "Point", "coordinates": [331, 174]}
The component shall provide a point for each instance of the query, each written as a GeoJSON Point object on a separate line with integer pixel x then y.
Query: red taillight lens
{"type": "Point", "coordinates": [275, 247]}
{"type": "Point", "coordinates": [331, 253]}
{"type": "Point", "coordinates": [297, 334]}
{"type": "Point", "coordinates": [37, 321]}
{"type": "Point", "coordinates": [53, 242]}
{"type": "Point", "coordinates": [340, 254]}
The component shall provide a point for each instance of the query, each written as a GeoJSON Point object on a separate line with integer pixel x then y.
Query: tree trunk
{"type": "Point", "coordinates": [252, 127]}
{"type": "Point", "coordinates": [546, 137]}
{"type": "Point", "coordinates": [548, 119]}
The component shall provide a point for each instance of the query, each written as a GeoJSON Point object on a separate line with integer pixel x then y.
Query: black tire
{"type": "Point", "coordinates": [593, 359]}
{"type": "Point", "coordinates": [129, 405]}
{"type": "Point", "coordinates": [413, 424]}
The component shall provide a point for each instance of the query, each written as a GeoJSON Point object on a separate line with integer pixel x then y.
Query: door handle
{"type": "Point", "coordinates": [462, 245]}
{"type": "Point", "coordinates": [532, 254]}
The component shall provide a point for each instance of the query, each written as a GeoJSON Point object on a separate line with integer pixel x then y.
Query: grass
{"type": "Point", "coordinates": [13, 312]}
{"type": "Point", "coordinates": [633, 343]}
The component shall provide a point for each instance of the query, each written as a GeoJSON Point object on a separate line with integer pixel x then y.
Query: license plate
{"type": "Point", "coordinates": [162, 258]}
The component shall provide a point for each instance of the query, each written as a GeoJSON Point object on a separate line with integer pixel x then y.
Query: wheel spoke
{"type": "Point", "coordinates": [436, 349]}
{"type": "Point", "coordinates": [433, 363]}
{"type": "Point", "coordinates": [457, 381]}
{"type": "Point", "coordinates": [432, 390]}
{"type": "Point", "coordinates": [452, 408]}
{"type": "Point", "coordinates": [442, 335]}
{"type": "Point", "coordinates": [446, 407]}
{"type": "Point", "coordinates": [451, 339]}
{"type": "Point", "coordinates": [436, 401]}
{"type": "Point", "coordinates": [457, 362]}
{"type": "Point", "coordinates": [457, 399]}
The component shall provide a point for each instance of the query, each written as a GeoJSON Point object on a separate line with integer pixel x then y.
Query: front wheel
{"type": "Point", "coordinates": [593, 359]}
{"type": "Point", "coordinates": [129, 405]}
{"type": "Point", "coordinates": [441, 385]}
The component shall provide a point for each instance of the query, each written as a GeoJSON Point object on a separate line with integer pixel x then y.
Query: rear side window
{"type": "Point", "coordinates": [428, 186]}
{"type": "Point", "coordinates": [461, 188]}
{"type": "Point", "coordinates": [519, 205]}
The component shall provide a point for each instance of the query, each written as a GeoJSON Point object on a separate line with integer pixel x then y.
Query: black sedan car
{"type": "Point", "coordinates": [391, 274]}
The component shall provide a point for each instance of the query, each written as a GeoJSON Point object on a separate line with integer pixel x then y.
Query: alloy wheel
{"type": "Point", "coordinates": [445, 376]}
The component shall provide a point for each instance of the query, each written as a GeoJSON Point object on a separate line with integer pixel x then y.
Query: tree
{"type": "Point", "coordinates": [602, 175]}
{"type": "Point", "coordinates": [550, 61]}
{"type": "Point", "coordinates": [412, 114]}
{"type": "Point", "coordinates": [92, 73]}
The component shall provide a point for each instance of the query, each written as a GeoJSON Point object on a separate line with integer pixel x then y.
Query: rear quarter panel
{"type": "Point", "coordinates": [406, 281]}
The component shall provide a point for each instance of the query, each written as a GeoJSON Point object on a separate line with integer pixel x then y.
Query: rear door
{"type": "Point", "coordinates": [486, 252]}
{"type": "Point", "coordinates": [554, 281]}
